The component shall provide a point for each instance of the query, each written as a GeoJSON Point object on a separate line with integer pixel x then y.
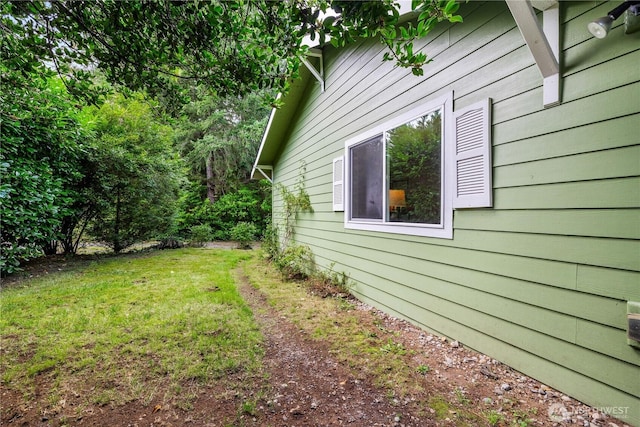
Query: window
{"type": "Point", "coordinates": [396, 174]}
{"type": "Point", "coordinates": [407, 174]}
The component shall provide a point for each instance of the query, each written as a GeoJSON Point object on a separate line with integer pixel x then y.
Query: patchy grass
{"type": "Point", "coordinates": [358, 339]}
{"type": "Point", "coordinates": [355, 339]}
{"type": "Point", "coordinates": [155, 326]}
{"type": "Point", "coordinates": [169, 328]}
{"type": "Point", "coordinates": [441, 407]}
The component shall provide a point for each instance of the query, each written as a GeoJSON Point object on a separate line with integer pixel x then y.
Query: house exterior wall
{"type": "Point", "coordinates": [541, 280]}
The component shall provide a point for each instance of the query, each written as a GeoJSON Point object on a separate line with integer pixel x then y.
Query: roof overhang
{"type": "Point", "coordinates": [542, 40]}
{"type": "Point", "coordinates": [278, 125]}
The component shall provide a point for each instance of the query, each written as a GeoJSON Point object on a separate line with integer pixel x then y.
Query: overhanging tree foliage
{"type": "Point", "coordinates": [55, 182]}
{"type": "Point", "coordinates": [229, 46]}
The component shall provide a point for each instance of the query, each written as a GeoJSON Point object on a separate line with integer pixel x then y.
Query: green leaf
{"type": "Point", "coordinates": [328, 21]}
{"type": "Point", "coordinates": [424, 15]}
{"type": "Point", "coordinates": [409, 49]}
{"type": "Point", "coordinates": [451, 7]}
{"type": "Point", "coordinates": [421, 29]}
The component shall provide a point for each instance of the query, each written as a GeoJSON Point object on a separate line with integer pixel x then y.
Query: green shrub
{"type": "Point", "coordinates": [200, 234]}
{"type": "Point", "coordinates": [41, 143]}
{"type": "Point", "coordinates": [221, 235]}
{"type": "Point", "coordinates": [295, 262]}
{"type": "Point", "coordinates": [245, 205]}
{"type": "Point", "coordinates": [244, 233]}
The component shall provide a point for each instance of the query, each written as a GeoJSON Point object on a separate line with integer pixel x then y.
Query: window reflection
{"type": "Point", "coordinates": [414, 170]}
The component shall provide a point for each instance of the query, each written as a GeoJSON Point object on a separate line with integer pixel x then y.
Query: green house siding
{"type": "Point", "coordinates": [541, 280]}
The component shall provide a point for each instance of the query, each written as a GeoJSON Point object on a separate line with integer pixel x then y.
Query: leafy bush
{"type": "Point", "coordinates": [139, 173]}
{"type": "Point", "coordinates": [295, 262]}
{"type": "Point", "coordinates": [41, 141]}
{"type": "Point", "coordinates": [200, 234]}
{"type": "Point", "coordinates": [244, 233]}
{"type": "Point", "coordinates": [245, 205]}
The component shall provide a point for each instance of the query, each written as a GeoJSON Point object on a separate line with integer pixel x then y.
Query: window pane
{"type": "Point", "coordinates": [367, 179]}
{"type": "Point", "coordinates": [414, 169]}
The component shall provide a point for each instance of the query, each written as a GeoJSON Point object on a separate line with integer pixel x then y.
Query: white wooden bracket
{"type": "Point", "coordinates": [266, 171]}
{"type": "Point", "coordinates": [543, 41]}
{"type": "Point", "coordinates": [318, 73]}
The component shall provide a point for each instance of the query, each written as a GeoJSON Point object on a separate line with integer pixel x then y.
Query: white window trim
{"type": "Point", "coordinates": [443, 230]}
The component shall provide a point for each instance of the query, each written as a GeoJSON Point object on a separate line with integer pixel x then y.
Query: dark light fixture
{"type": "Point", "coordinates": [601, 26]}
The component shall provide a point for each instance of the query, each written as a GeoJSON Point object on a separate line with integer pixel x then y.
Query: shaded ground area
{"type": "Point", "coordinates": [308, 387]}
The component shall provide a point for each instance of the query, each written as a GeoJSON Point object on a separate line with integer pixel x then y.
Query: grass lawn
{"type": "Point", "coordinates": [169, 329]}
{"type": "Point", "coordinates": [148, 327]}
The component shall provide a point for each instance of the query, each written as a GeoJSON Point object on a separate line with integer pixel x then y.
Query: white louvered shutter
{"type": "Point", "coordinates": [338, 184]}
{"type": "Point", "coordinates": [472, 130]}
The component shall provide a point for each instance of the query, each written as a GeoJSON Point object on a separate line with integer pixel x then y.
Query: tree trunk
{"type": "Point", "coordinates": [211, 190]}
{"type": "Point", "coordinates": [51, 247]}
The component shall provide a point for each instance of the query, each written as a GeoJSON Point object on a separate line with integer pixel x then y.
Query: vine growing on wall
{"type": "Point", "coordinates": [294, 202]}
{"type": "Point", "coordinates": [293, 260]}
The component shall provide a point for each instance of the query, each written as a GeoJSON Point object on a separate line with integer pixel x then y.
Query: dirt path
{"type": "Point", "coordinates": [309, 388]}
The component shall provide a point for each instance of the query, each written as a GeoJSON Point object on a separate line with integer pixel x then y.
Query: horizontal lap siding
{"type": "Point", "coordinates": [541, 280]}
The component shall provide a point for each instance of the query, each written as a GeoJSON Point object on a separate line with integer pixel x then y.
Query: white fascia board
{"type": "Point", "coordinates": [264, 139]}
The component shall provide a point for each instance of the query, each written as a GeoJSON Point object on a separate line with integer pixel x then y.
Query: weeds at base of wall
{"type": "Point", "coordinates": [270, 242]}
{"type": "Point", "coordinates": [295, 262]}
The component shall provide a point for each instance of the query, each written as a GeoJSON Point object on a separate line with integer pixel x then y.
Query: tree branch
{"type": "Point", "coordinates": [80, 21]}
